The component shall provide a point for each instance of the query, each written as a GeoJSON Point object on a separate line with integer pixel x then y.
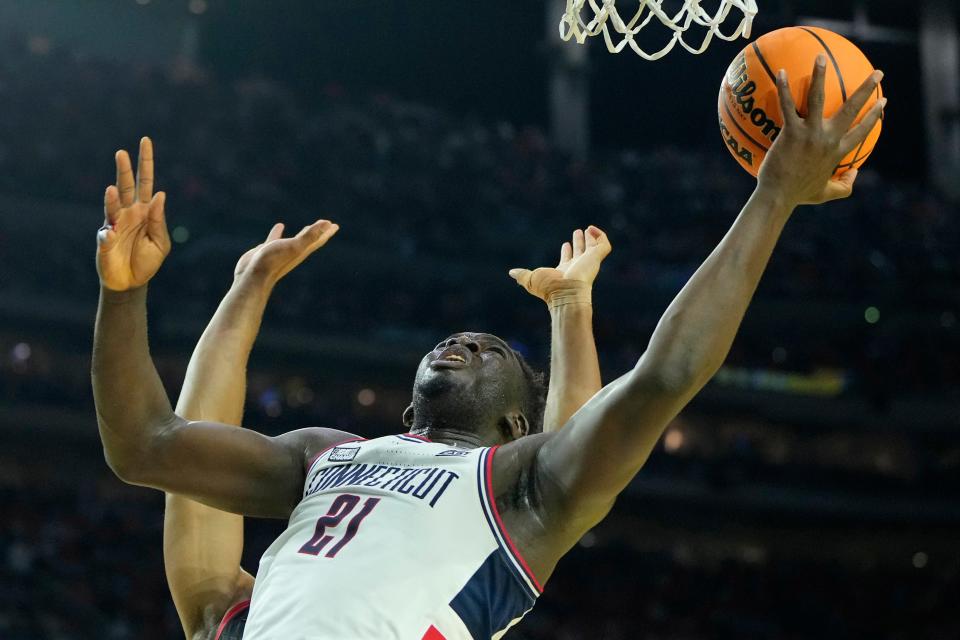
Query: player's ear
{"type": "Point", "coordinates": [408, 417]}
{"type": "Point", "coordinates": [515, 425]}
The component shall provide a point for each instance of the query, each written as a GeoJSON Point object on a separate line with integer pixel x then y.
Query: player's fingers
{"type": "Point", "coordinates": [325, 235]}
{"type": "Point", "coordinates": [313, 236]}
{"type": "Point", "coordinates": [327, 230]}
{"type": "Point", "coordinates": [145, 170]}
{"type": "Point", "coordinates": [815, 96]}
{"type": "Point", "coordinates": [840, 187]}
{"type": "Point", "coordinates": [309, 233]}
{"type": "Point", "coordinates": [579, 242]}
{"type": "Point", "coordinates": [566, 253]}
{"type": "Point", "coordinates": [593, 235]}
{"type": "Point", "coordinates": [854, 104]}
{"type": "Point", "coordinates": [106, 238]}
{"type": "Point", "coordinates": [849, 178]}
{"type": "Point", "coordinates": [125, 183]}
{"type": "Point", "coordinates": [859, 133]}
{"type": "Point", "coordinates": [522, 276]}
{"type": "Point", "coordinates": [107, 234]}
{"type": "Point", "coordinates": [157, 221]}
{"type": "Point", "coordinates": [539, 280]}
{"type": "Point", "coordinates": [276, 232]}
{"type": "Point", "coordinates": [788, 107]}
{"type": "Point", "coordinates": [111, 206]}
{"type": "Point", "coordinates": [597, 238]}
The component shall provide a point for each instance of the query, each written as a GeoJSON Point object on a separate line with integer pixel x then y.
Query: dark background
{"type": "Point", "coordinates": [492, 59]}
{"type": "Point", "coordinates": [811, 491]}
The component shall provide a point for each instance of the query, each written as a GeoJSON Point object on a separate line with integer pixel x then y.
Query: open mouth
{"type": "Point", "coordinates": [454, 357]}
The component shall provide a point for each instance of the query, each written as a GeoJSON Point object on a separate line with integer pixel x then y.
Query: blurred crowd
{"type": "Point", "coordinates": [435, 207]}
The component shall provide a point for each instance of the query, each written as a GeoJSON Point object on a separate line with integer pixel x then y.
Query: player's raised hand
{"type": "Point", "coordinates": [277, 256]}
{"type": "Point", "coordinates": [572, 278]}
{"type": "Point", "coordinates": [133, 241]}
{"type": "Point", "coordinates": [801, 163]}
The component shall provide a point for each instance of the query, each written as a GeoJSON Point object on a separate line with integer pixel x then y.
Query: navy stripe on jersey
{"type": "Point", "coordinates": [234, 622]}
{"type": "Point", "coordinates": [410, 439]}
{"type": "Point", "coordinates": [516, 564]}
{"type": "Point", "coordinates": [492, 598]}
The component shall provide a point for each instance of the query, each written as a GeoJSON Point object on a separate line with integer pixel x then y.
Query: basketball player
{"type": "Point", "coordinates": [202, 546]}
{"type": "Point", "coordinates": [451, 531]}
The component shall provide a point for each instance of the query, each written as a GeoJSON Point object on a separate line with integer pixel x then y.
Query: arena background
{"type": "Point", "coordinates": [811, 491]}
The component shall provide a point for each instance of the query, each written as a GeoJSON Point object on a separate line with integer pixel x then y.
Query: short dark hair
{"type": "Point", "coordinates": [535, 402]}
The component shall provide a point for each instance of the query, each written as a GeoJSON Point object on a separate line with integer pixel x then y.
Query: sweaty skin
{"type": "Point", "coordinates": [551, 487]}
{"type": "Point", "coordinates": [203, 545]}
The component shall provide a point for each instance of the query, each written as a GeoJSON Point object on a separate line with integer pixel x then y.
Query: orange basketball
{"type": "Point", "coordinates": [749, 107]}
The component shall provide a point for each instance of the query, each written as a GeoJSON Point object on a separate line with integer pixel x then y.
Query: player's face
{"type": "Point", "coordinates": [476, 367]}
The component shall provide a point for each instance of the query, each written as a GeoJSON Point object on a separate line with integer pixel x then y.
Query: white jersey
{"type": "Point", "coordinates": [396, 538]}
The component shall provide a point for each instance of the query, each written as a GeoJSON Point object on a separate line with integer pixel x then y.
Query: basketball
{"type": "Point", "coordinates": [749, 109]}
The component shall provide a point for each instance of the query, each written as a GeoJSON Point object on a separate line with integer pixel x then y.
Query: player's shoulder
{"type": "Point", "coordinates": [513, 465]}
{"type": "Point", "coordinates": [322, 440]}
{"type": "Point", "coordinates": [322, 437]}
{"type": "Point", "coordinates": [512, 457]}
{"type": "Point", "coordinates": [311, 442]}
{"type": "Point", "coordinates": [524, 504]}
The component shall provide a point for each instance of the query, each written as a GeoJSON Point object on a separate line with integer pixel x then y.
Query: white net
{"type": "Point", "coordinates": [587, 18]}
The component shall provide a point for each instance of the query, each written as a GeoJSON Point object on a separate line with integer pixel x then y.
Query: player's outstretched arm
{"type": "Point", "coordinates": [144, 441]}
{"type": "Point", "coordinates": [586, 464]}
{"type": "Point", "coordinates": [202, 546]}
{"type": "Point", "coordinates": [567, 290]}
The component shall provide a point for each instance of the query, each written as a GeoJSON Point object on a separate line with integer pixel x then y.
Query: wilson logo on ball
{"type": "Point", "coordinates": [742, 89]}
{"type": "Point", "coordinates": [749, 104]}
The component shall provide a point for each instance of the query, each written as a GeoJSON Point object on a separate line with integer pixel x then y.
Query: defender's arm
{"type": "Point", "coordinates": [585, 465]}
{"type": "Point", "coordinates": [574, 366]}
{"type": "Point", "coordinates": [202, 545]}
{"type": "Point", "coordinates": [567, 291]}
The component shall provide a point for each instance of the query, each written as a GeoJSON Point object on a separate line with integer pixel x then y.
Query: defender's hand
{"type": "Point", "coordinates": [801, 163]}
{"type": "Point", "coordinates": [133, 241]}
{"type": "Point", "coordinates": [277, 256]}
{"type": "Point", "coordinates": [572, 279]}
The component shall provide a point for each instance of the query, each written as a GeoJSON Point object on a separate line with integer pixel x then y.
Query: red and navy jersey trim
{"type": "Point", "coordinates": [233, 623]}
{"type": "Point", "coordinates": [516, 561]}
{"type": "Point", "coordinates": [492, 598]}
{"type": "Point", "coordinates": [413, 437]}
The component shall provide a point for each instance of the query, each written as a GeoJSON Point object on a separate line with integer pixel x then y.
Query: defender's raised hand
{"type": "Point", "coordinates": [572, 279]}
{"type": "Point", "coordinates": [133, 241]}
{"type": "Point", "coordinates": [801, 164]}
{"type": "Point", "coordinates": [277, 256]}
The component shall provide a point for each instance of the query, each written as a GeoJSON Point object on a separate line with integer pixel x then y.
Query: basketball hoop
{"type": "Point", "coordinates": [606, 18]}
